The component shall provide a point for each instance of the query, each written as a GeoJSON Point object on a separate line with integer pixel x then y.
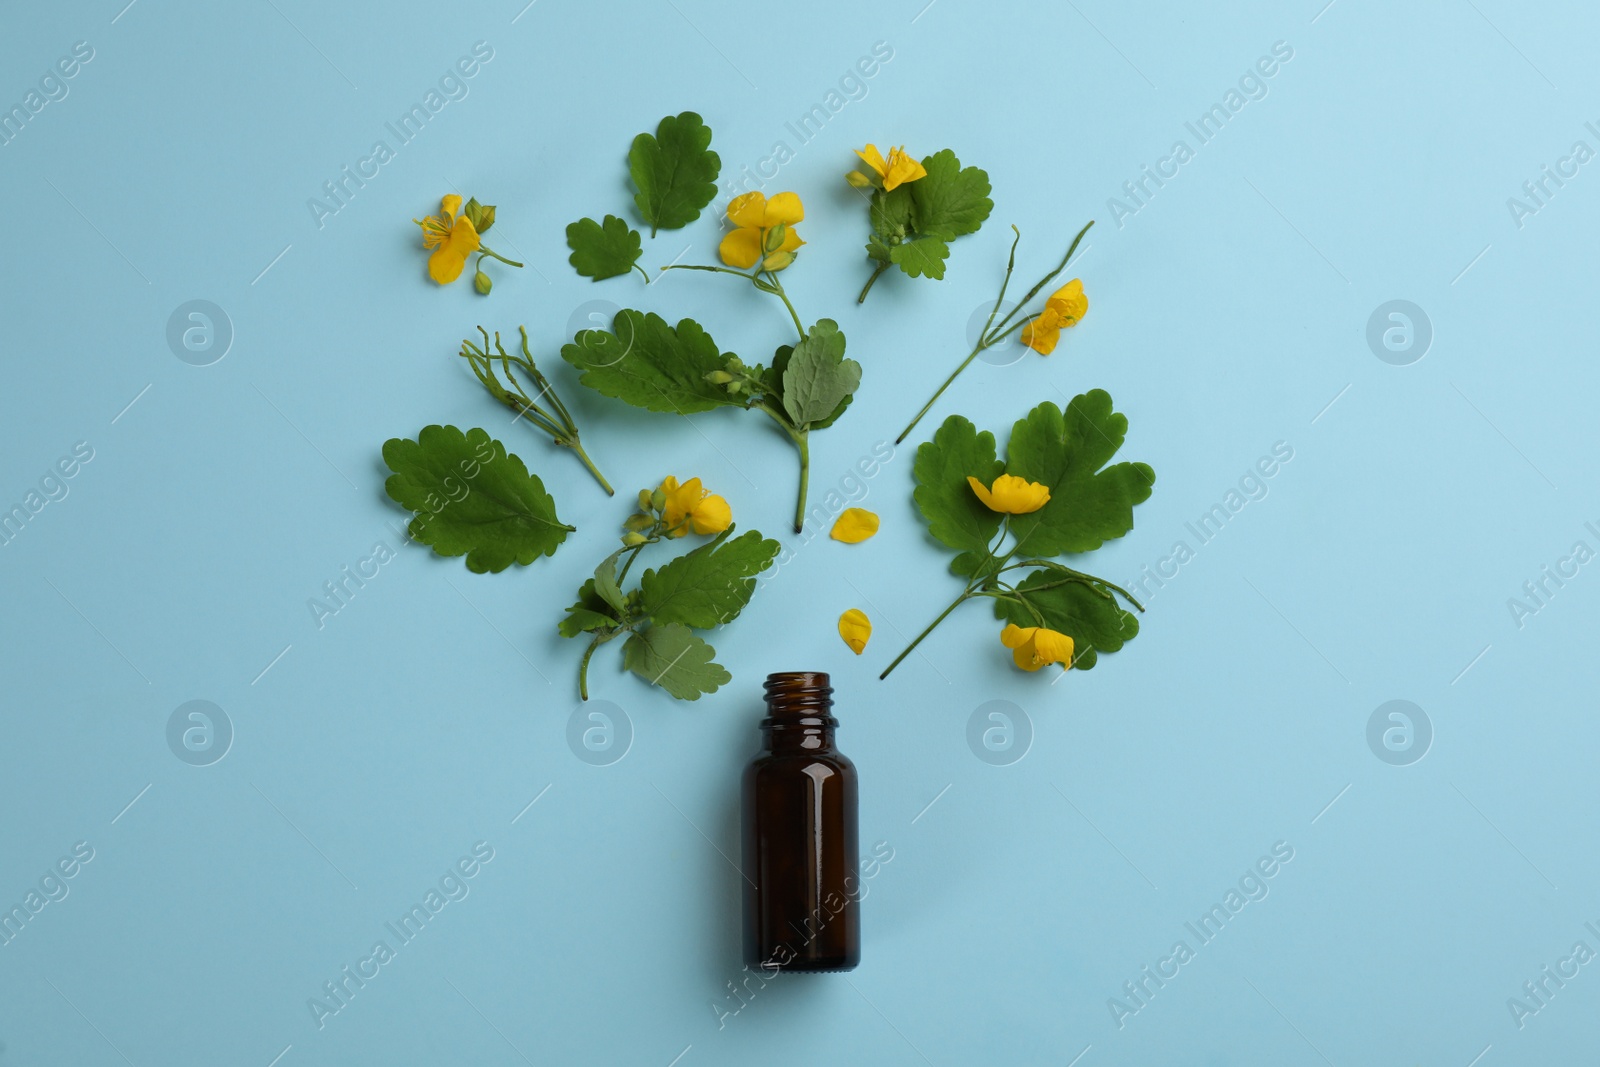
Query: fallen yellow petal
{"type": "Point", "coordinates": [854, 525]}
{"type": "Point", "coordinates": [856, 629]}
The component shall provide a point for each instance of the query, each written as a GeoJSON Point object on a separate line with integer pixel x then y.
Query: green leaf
{"type": "Point", "coordinates": [591, 612]}
{"type": "Point", "coordinates": [1088, 505]}
{"type": "Point", "coordinates": [603, 250]}
{"type": "Point", "coordinates": [954, 514]}
{"type": "Point", "coordinates": [673, 657]}
{"type": "Point", "coordinates": [645, 362]}
{"type": "Point", "coordinates": [1090, 615]}
{"type": "Point", "coordinates": [473, 498]}
{"type": "Point", "coordinates": [950, 200]}
{"type": "Point", "coordinates": [817, 379]}
{"type": "Point", "coordinates": [675, 172]}
{"type": "Point", "coordinates": [880, 250]}
{"type": "Point", "coordinates": [890, 212]}
{"type": "Point", "coordinates": [710, 585]}
{"type": "Point", "coordinates": [924, 256]}
{"type": "Point", "coordinates": [605, 583]}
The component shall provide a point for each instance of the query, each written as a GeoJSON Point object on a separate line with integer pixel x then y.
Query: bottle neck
{"type": "Point", "coordinates": [799, 712]}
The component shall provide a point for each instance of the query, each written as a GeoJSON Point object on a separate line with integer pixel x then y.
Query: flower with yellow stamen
{"type": "Point", "coordinates": [1011, 495]}
{"type": "Point", "coordinates": [856, 629]}
{"type": "Point", "coordinates": [452, 237]}
{"type": "Point", "coordinates": [893, 172]}
{"type": "Point", "coordinates": [1033, 647]}
{"type": "Point", "coordinates": [765, 231]}
{"type": "Point", "coordinates": [1065, 308]}
{"type": "Point", "coordinates": [689, 507]}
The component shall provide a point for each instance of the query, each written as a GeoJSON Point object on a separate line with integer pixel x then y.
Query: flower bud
{"type": "Point", "coordinates": [859, 180]}
{"type": "Point", "coordinates": [719, 377]}
{"type": "Point", "coordinates": [735, 363]}
{"type": "Point", "coordinates": [644, 500]}
{"type": "Point", "coordinates": [482, 282]}
{"type": "Point", "coordinates": [773, 239]}
{"type": "Point", "coordinates": [777, 261]}
{"type": "Point", "coordinates": [632, 539]}
{"type": "Point", "coordinates": [658, 500]}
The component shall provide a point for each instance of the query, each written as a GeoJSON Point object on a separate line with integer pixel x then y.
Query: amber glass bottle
{"type": "Point", "coordinates": [802, 906]}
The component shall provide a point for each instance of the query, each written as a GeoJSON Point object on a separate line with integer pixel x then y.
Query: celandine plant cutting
{"type": "Point", "coordinates": [700, 590]}
{"type": "Point", "coordinates": [1041, 330]}
{"type": "Point", "coordinates": [554, 420]}
{"type": "Point", "coordinates": [917, 208]}
{"type": "Point", "coordinates": [1053, 495]}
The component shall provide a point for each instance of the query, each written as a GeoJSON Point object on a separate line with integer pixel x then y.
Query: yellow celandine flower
{"type": "Point", "coordinates": [894, 172]}
{"type": "Point", "coordinates": [1066, 307]}
{"type": "Point", "coordinates": [856, 629]}
{"type": "Point", "coordinates": [1033, 647]}
{"type": "Point", "coordinates": [854, 525]}
{"type": "Point", "coordinates": [690, 507]}
{"type": "Point", "coordinates": [1011, 495]}
{"type": "Point", "coordinates": [452, 237]}
{"type": "Point", "coordinates": [765, 231]}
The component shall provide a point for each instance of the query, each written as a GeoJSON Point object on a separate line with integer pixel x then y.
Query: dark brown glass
{"type": "Point", "coordinates": [802, 906]}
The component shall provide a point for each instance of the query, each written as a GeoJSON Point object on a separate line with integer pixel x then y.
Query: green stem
{"type": "Point", "coordinates": [966, 594]}
{"type": "Point", "coordinates": [1072, 576]}
{"type": "Point", "coordinates": [801, 442]}
{"type": "Point", "coordinates": [491, 252]}
{"type": "Point", "coordinates": [939, 392]}
{"type": "Point", "coordinates": [777, 287]}
{"type": "Point", "coordinates": [643, 273]}
{"type": "Point", "coordinates": [865, 289]}
{"type": "Point", "coordinates": [572, 443]}
{"type": "Point", "coordinates": [583, 668]}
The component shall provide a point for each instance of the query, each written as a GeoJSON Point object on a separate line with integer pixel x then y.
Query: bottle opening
{"type": "Point", "coordinates": [802, 694]}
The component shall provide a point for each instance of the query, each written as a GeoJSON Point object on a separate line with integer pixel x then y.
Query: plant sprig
{"type": "Point", "coordinates": [699, 590]}
{"type": "Point", "coordinates": [1056, 493]}
{"type": "Point", "coordinates": [554, 420]}
{"type": "Point", "coordinates": [996, 332]}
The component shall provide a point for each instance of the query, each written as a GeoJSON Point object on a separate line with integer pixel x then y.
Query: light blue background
{"type": "Point", "coordinates": [1227, 315]}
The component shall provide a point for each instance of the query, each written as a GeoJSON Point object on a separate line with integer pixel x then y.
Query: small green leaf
{"type": "Point", "coordinates": [950, 200]}
{"type": "Point", "coordinates": [589, 613]}
{"type": "Point", "coordinates": [472, 498]}
{"type": "Point", "coordinates": [1091, 616]}
{"type": "Point", "coordinates": [673, 657]}
{"type": "Point", "coordinates": [817, 379]}
{"type": "Point", "coordinates": [675, 172]}
{"type": "Point", "coordinates": [605, 583]}
{"type": "Point", "coordinates": [954, 514]}
{"type": "Point", "coordinates": [1090, 503]}
{"type": "Point", "coordinates": [924, 256]}
{"type": "Point", "coordinates": [890, 212]}
{"type": "Point", "coordinates": [603, 250]}
{"type": "Point", "coordinates": [710, 585]}
{"type": "Point", "coordinates": [645, 362]}
{"type": "Point", "coordinates": [880, 250]}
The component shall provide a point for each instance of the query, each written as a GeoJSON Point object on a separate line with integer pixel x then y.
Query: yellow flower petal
{"type": "Point", "coordinates": [901, 169]}
{"type": "Point", "coordinates": [869, 155]}
{"type": "Point", "coordinates": [1033, 647]}
{"type": "Point", "coordinates": [451, 204]}
{"type": "Point", "coordinates": [786, 208]}
{"type": "Point", "coordinates": [448, 260]}
{"type": "Point", "coordinates": [748, 210]}
{"type": "Point", "coordinates": [711, 515]}
{"type": "Point", "coordinates": [1069, 303]}
{"type": "Point", "coordinates": [1043, 332]}
{"type": "Point", "coordinates": [854, 525]}
{"type": "Point", "coordinates": [1011, 495]}
{"type": "Point", "coordinates": [856, 629]}
{"type": "Point", "coordinates": [741, 248]}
